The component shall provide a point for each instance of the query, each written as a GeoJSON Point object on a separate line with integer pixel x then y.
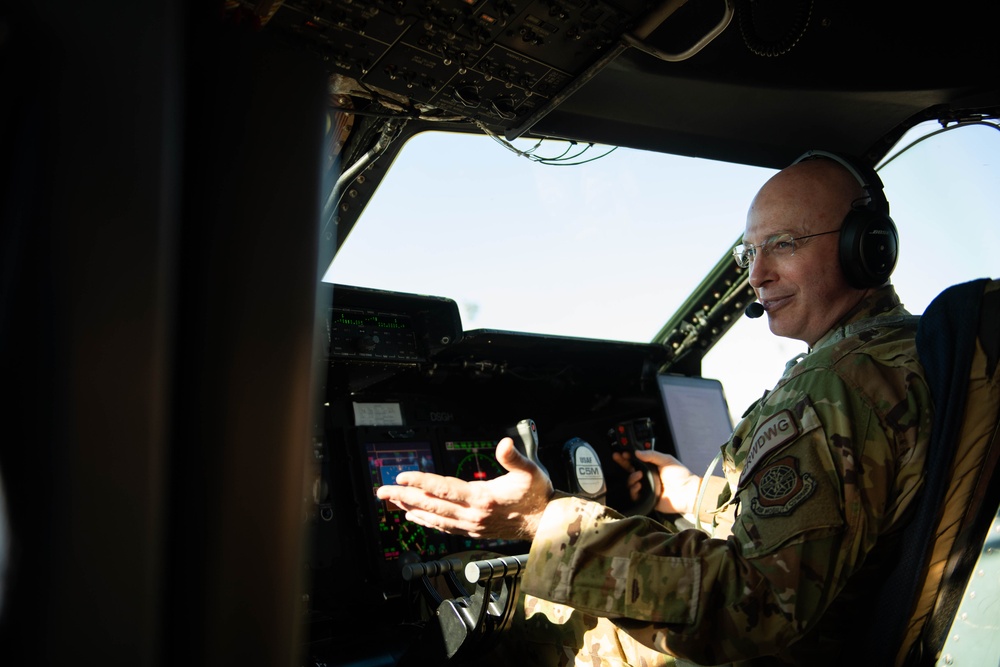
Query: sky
{"type": "Point", "coordinates": [610, 248]}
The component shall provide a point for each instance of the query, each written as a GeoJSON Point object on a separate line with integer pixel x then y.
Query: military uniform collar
{"type": "Point", "coordinates": [873, 310]}
{"type": "Point", "coordinates": [880, 308]}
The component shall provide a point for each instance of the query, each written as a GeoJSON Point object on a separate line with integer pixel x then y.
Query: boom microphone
{"type": "Point", "coordinates": [754, 310]}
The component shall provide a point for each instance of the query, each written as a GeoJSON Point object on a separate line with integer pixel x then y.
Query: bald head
{"type": "Point", "coordinates": [820, 191]}
{"type": "Point", "coordinates": [804, 292]}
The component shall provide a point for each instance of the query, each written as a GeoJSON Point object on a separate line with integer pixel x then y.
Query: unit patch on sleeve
{"type": "Point", "coordinates": [779, 429]}
{"type": "Point", "coordinates": [781, 488]}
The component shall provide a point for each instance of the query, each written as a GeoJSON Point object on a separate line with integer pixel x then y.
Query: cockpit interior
{"type": "Point", "coordinates": [196, 420]}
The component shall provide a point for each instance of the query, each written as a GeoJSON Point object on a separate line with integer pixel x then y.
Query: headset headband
{"type": "Point", "coordinates": [872, 185]}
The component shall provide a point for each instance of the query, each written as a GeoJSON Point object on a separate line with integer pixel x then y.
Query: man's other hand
{"type": "Point", "coordinates": [680, 485]}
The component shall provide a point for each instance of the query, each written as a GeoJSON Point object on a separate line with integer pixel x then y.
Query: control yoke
{"type": "Point", "coordinates": [629, 437]}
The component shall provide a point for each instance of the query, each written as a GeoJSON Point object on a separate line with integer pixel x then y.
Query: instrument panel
{"type": "Point", "coordinates": [408, 389]}
{"type": "Point", "coordinates": [396, 542]}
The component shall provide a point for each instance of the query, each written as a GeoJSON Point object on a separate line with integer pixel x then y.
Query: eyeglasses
{"type": "Point", "coordinates": [779, 245]}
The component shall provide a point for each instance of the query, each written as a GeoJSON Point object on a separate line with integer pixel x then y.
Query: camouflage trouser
{"type": "Point", "coordinates": [547, 634]}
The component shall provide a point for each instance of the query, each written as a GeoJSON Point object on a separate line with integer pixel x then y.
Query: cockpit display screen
{"type": "Point", "coordinates": [474, 461]}
{"type": "Point", "coordinates": [396, 535]}
{"type": "Point", "coordinates": [372, 335]}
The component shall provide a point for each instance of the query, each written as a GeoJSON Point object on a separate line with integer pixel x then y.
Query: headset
{"type": "Point", "coordinates": [869, 242]}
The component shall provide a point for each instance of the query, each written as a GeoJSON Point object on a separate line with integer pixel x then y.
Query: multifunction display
{"type": "Point", "coordinates": [372, 335]}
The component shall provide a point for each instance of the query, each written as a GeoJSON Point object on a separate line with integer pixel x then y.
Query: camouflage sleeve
{"type": "Point", "coordinates": [816, 482]}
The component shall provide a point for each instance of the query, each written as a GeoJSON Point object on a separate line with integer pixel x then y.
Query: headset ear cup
{"type": "Point", "coordinates": [869, 242]}
{"type": "Point", "coordinates": [869, 247]}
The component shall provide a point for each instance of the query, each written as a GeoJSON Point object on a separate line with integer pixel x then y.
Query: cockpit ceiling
{"type": "Point", "coordinates": [739, 122]}
{"type": "Point", "coordinates": [743, 80]}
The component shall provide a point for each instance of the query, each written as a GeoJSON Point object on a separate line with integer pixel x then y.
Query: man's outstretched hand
{"type": "Point", "coordinates": [507, 507]}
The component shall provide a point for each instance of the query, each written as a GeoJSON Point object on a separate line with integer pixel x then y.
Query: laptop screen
{"type": "Point", "coordinates": [698, 416]}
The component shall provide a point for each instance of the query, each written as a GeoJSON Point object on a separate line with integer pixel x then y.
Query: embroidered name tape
{"type": "Point", "coordinates": [779, 429]}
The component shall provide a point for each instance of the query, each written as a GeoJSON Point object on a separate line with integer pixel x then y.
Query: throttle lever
{"type": "Point", "coordinates": [527, 443]}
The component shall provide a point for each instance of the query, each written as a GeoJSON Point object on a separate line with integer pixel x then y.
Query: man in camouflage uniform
{"type": "Point", "coordinates": [821, 475]}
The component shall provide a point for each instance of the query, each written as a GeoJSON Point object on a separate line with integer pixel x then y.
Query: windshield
{"type": "Point", "coordinates": [611, 247]}
{"type": "Point", "coordinates": [603, 249]}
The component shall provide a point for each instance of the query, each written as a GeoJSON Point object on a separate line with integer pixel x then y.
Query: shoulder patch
{"type": "Point", "coordinates": [779, 429]}
{"type": "Point", "coordinates": [781, 488]}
